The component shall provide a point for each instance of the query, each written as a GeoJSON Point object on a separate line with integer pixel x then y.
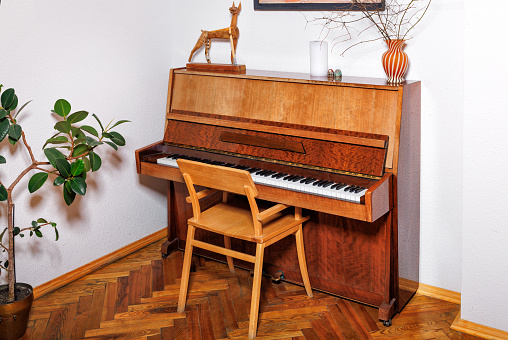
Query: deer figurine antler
{"type": "Point", "coordinates": [230, 33]}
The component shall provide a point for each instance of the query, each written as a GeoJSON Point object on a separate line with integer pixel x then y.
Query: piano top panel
{"type": "Point", "coordinates": [354, 104]}
{"type": "Point", "coordinates": [350, 81]}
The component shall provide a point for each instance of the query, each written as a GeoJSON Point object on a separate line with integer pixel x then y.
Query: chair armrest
{"type": "Point", "coordinates": [202, 193]}
{"type": "Point", "coordinates": [271, 211]}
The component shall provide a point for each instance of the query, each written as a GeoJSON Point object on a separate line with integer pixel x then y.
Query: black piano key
{"type": "Point", "coordinates": [318, 182]}
{"type": "Point", "coordinates": [340, 186]}
{"type": "Point", "coordinates": [327, 184]}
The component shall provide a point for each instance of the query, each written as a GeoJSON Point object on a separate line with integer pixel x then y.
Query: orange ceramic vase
{"type": "Point", "coordinates": [395, 61]}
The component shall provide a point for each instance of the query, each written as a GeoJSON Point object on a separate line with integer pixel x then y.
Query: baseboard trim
{"type": "Point", "coordinates": [71, 276]}
{"type": "Point", "coordinates": [439, 293]}
{"type": "Point", "coordinates": [478, 330]}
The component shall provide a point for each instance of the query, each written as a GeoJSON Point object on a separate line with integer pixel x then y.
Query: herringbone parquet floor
{"type": "Point", "coordinates": [136, 298]}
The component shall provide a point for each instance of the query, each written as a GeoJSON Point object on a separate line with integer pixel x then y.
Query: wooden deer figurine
{"type": "Point", "coordinates": [230, 33]}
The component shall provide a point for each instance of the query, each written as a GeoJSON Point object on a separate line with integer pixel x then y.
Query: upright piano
{"type": "Point", "coordinates": [347, 151]}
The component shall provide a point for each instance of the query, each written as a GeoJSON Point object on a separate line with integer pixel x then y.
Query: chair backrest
{"type": "Point", "coordinates": [220, 178]}
{"type": "Point", "coordinates": [217, 177]}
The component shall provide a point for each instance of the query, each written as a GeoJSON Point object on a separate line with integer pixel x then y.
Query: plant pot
{"type": "Point", "coordinates": [14, 316]}
{"type": "Point", "coordinates": [395, 61]}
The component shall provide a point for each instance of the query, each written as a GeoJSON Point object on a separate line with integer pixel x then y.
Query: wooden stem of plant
{"type": "Point", "coordinates": [11, 277]}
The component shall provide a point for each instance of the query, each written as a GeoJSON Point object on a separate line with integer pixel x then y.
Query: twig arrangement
{"type": "Point", "coordinates": [394, 23]}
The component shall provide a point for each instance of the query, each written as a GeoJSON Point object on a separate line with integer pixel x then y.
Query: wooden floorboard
{"type": "Point", "coordinates": [136, 298]}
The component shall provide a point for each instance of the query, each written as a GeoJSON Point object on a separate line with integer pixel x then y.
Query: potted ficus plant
{"type": "Point", "coordinates": [71, 155]}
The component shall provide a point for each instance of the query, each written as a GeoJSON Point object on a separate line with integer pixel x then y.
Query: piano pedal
{"type": "Point", "coordinates": [278, 277]}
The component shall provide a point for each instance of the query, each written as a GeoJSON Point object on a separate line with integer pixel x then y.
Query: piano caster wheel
{"type": "Point", "coordinates": [278, 277]}
{"type": "Point", "coordinates": [387, 323]}
{"type": "Point", "coordinates": [164, 256]}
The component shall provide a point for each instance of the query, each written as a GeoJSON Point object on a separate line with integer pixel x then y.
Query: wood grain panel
{"type": "Point", "coordinates": [331, 155]}
{"type": "Point", "coordinates": [331, 106]}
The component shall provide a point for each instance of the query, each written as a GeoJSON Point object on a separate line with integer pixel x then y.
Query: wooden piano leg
{"type": "Point", "coordinates": [171, 245]}
{"type": "Point", "coordinates": [386, 312]}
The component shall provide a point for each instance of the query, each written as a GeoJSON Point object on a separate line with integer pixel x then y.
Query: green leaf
{"type": "Point", "coordinates": [2, 235]}
{"type": "Point", "coordinates": [38, 233]}
{"type": "Point", "coordinates": [95, 161]}
{"type": "Point", "coordinates": [53, 154]}
{"type": "Point", "coordinates": [113, 145]}
{"type": "Point", "coordinates": [117, 138]}
{"type": "Point", "coordinates": [68, 196]}
{"type": "Point", "coordinates": [57, 235]}
{"type": "Point", "coordinates": [59, 181]}
{"type": "Point", "coordinates": [6, 264]}
{"type": "Point", "coordinates": [62, 107]}
{"type": "Point", "coordinates": [2, 160]}
{"type": "Point", "coordinates": [21, 108]}
{"type": "Point", "coordinates": [78, 185]}
{"type": "Point", "coordinates": [4, 128]}
{"type": "Point", "coordinates": [77, 117]}
{"type": "Point", "coordinates": [12, 140]}
{"type": "Point", "coordinates": [41, 220]}
{"type": "Point", "coordinates": [92, 142]}
{"type": "Point", "coordinates": [80, 149]}
{"type": "Point", "coordinates": [120, 122]}
{"type": "Point", "coordinates": [97, 118]}
{"type": "Point", "coordinates": [34, 224]}
{"type": "Point", "coordinates": [63, 126]}
{"type": "Point", "coordinates": [77, 167]}
{"type": "Point", "coordinates": [63, 167]}
{"type": "Point", "coordinates": [16, 231]}
{"type": "Point", "coordinates": [57, 140]}
{"type": "Point", "coordinates": [3, 113]}
{"type": "Point", "coordinates": [90, 130]}
{"type": "Point", "coordinates": [87, 164]}
{"type": "Point", "coordinates": [3, 193]}
{"type": "Point", "coordinates": [67, 187]}
{"type": "Point", "coordinates": [8, 99]}
{"type": "Point", "coordinates": [36, 181]}
{"type": "Point", "coordinates": [15, 131]}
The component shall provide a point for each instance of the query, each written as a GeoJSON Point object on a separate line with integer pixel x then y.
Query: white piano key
{"type": "Point", "coordinates": [297, 186]}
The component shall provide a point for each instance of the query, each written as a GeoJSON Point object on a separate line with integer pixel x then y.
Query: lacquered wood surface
{"type": "Point", "coordinates": [320, 153]}
{"type": "Point", "coordinates": [366, 108]}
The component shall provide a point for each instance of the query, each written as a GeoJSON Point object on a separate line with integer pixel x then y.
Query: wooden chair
{"type": "Point", "coordinates": [231, 220]}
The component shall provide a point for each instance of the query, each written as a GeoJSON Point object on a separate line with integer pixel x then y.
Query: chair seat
{"type": "Point", "coordinates": [235, 220]}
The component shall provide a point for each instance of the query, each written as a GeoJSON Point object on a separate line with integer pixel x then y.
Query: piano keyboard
{"type": "Point", "coordinates": [341, 191]}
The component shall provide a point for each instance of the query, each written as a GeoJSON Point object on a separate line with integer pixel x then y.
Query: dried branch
{"type": "Point", "coordinates": [394, 23]}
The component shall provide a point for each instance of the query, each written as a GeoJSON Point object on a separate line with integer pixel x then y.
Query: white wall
{"type": "Point", "coordinates": [485, 232]}
{"type": "Point", "coordinates": [279, 41]}
{"type": "Point", "coordinates": [111, 58]}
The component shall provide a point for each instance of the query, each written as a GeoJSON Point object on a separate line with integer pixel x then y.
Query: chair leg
{"type": "Point", "coordinates": [227, 245]}
{"type": "Point", "coordinates": [256, 290]}
{"type": "Point", "coordinates": [301, 259]}
{"type": "Point", "coordinates": [184, 283]}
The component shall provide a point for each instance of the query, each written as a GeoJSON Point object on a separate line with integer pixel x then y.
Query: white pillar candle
{"type": "Point", "coordinates": [318, 58]}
